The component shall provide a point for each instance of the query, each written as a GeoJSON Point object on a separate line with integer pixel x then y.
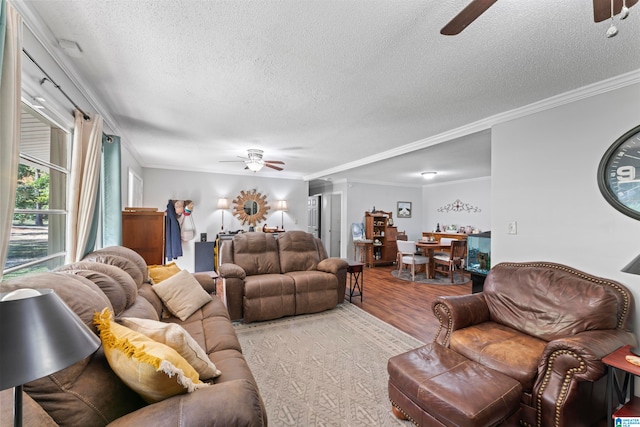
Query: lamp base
{"type": "Point", "coordinates": [17, 406]}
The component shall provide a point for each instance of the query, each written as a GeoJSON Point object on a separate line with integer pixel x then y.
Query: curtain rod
{"type": "Point", "coordinates": [57, 86]}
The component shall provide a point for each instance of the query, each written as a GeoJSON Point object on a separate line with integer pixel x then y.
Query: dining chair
{"type": "Point", "coordinates": [407, 256]}
{"type": "Point", "coordinates": [448, 263]}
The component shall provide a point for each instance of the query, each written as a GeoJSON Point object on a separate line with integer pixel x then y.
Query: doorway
{"type": "Point", "coordinates": [335, 225]}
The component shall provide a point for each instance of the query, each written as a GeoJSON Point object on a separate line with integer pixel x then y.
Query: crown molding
{"type": "Point", "coordinates": [594, 89]}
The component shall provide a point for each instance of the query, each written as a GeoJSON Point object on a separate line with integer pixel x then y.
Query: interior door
{"type": "Point", "coordinates": [335, 225]}
{"type": "Point", "coordinates": [313, 215]}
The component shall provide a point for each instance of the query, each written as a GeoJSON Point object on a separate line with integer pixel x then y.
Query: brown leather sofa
{"type": "Point", "coordinates": [548, 326]}
{"type": "Point", "coordinates": [267, 278]}
{"type": "Point", "coordinates": [89, 393]}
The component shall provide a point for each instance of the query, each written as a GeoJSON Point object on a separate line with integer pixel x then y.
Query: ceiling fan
{"type": "Point", "coordinates": [254, 161]}
{"type": "Point", "coordinates": [601, 11]}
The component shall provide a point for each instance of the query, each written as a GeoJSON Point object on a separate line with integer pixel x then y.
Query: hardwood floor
{"type": "Point", "coordinates": [405, 305]}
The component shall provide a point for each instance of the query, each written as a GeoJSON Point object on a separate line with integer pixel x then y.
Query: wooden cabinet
{"type": "Point", "coordinates": [377, 228]}
{"type": "Point", "coordinates": [143, 231]}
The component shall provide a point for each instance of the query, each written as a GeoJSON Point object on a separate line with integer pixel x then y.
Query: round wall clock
{"type": "Point", "coordinates": [619, 174]}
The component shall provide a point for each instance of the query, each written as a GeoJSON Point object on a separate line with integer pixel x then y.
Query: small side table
{"type": "Point", "coordinates": [625, 394]}
{"type": "Point", "coordinates": [356, 279]}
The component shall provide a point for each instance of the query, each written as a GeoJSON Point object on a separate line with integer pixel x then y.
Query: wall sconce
{"type": "Point", "coordinates": [40, 335]}
{"type": "Point", "coordinates": [223, 204]}
{"type": "Point", "coordinates": [282, 206]}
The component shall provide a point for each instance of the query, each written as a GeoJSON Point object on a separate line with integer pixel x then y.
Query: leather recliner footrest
{"type": "Point", "coordinates": [450, 389]}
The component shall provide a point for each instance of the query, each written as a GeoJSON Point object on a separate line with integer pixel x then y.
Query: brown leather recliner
{"type": "Point", "coordinates": [267, 278]}
{"type": "Point", "coordinates": [548, 326]}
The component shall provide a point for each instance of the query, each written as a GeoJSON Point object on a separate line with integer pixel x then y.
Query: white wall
{"type": "Point", "coordinates": [544, 169]}
{"type": "Point", "coordinates": [205, 189]}
{"type": "Point", "coordinates": [474, 192]}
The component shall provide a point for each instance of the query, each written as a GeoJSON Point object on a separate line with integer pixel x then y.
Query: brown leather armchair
{"type": "Point", "coordinates": [548, 326]}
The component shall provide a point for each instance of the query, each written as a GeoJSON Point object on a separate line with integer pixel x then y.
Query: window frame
{"type": "Point", "coordinates": [25, 158]}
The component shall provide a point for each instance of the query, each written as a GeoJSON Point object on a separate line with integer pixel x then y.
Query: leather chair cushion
{"type": "Point", "coordinates": [501, 348]}
{"type": "Point", "coordinates": [268, 296]}
{"type": "Point", "coordinates": [256, 253]}
{"type": "Point", "coordinates": [549, 303]}
{"type": "Point", "coordinates": [298, 251]}
{"type": "Point", "coordinates": [315, 291]}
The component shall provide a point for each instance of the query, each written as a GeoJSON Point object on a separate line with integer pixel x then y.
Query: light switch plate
{"type": "Point", "coordinates": [513, 227]}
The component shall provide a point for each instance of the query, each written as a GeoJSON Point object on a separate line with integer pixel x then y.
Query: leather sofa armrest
{"type": "Point", "coordinates": [206, 281]}
{"type": "Point", "coordinates": [231, 403]}
{"type": "Point", "coordinates": [232, 271]}
{"type": "Point", "coordinates": [332, 265]}
{"type": "Point", "coordinates": [583, 352]}
{"type": "Point", "coordinates": [457, 312]}
{"type": "Point", "coordinates": [568, 361]}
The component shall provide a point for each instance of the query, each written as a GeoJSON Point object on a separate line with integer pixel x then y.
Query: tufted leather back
{"type": "Point", "coordinates": [550, 301]}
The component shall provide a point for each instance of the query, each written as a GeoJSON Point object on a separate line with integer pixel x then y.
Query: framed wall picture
{"type": "Point", "coordinates": [404, 209]}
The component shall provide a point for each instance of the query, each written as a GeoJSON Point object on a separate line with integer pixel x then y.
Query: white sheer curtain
{"type": "Point", "coordinates": [10, 89]}
{"type": "Point", "coordinates": [84, 179]}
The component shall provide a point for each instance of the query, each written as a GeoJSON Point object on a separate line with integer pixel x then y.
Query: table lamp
{"type": "Point", "coordinates": [282, 206]}
{"type": "Point", "coordinates": [223, 204]}
{"type": "Point", "coordinates": [39, 335]}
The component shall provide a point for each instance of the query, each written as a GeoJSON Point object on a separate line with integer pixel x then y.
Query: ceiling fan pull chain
{"type": "Point", "coordinates": [624, 12]}
{"type": "Point", "coordinates": [612, 31]}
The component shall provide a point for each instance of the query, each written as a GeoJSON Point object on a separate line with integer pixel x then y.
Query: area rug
{"type": "Point", "coordinates": [324, 369]}
{"type": "Point", "coordinates": [458, 279]}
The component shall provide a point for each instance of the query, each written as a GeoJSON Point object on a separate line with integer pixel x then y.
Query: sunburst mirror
{"type": "Point", "coordinates": [251, 207]}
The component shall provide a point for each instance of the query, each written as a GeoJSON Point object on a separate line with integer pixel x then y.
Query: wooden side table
{"type": "Point", "coordinates": [623, 392]}
{"type": "Point", "coordinates": [356, 279]}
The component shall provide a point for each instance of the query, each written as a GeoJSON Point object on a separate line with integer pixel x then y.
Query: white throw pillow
{"type": "Point", "coordinates": [176, 337]}
{"type": "Point", "coordinates": [182, 294]}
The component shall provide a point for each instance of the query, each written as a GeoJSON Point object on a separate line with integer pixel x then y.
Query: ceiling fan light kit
{"type": "Point", "coordinates": [254, 161]}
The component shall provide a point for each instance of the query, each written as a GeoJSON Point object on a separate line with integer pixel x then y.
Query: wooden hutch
{"type": "Point", "coordinates": [377, 227]}
{"type": "Point", "coordinates": [143, 231]}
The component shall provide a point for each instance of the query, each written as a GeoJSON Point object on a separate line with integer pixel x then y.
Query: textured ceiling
{"type": "Point", "coordinates": [322, 85]}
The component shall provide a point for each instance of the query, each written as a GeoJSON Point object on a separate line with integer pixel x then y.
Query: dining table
{"type": "Point", "coordinates": [428, 249]}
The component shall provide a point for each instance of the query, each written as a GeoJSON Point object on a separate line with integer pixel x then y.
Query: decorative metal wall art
{"type": "Point", "coordinates": [459, 206]}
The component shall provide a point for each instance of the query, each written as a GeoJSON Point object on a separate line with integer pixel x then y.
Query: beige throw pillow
{"type": "Point", "coordinates": [178, 339]}
{"type": "Point", "coordinates": [182, 294]}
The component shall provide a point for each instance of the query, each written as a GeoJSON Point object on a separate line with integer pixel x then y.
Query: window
{"type": "Point", "coordinates": [37, 240]}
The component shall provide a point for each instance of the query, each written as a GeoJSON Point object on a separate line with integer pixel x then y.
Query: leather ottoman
{"type": "Point", "coordinates": [435, 386]}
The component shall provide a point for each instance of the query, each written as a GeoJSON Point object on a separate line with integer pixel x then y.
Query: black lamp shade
{"type": "Point", "coordinates": [39, 335]}
{"type": "Point", "coordinates": [633, 267]}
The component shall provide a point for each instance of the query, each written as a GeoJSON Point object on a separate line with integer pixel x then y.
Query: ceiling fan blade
{"type": "Point", "coordinates": [467, 16]}
{"type": "Point", "coordinates": [273, 167]}
{"type": "Point", "coordinates": [277, 162]}
{"type": "Point", "coordinates": [602, 8]}
{"type": "Point", "coordinates": [231, 161]}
